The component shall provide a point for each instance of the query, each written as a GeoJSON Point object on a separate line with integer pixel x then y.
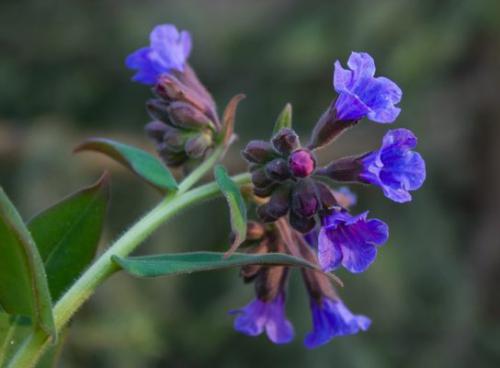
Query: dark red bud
{"type": "Point", "coordinates": [277, 206]}
{"type": "Point", "coordinates": [286, 141]}
{"type": "Point", "coordinates": [302, 163]}
{"type": "Point", "coordinates": [278, 169]}
{"type": "Point", "coordinates": [265, 191]}
{"type": "Point", "coordinates": [259, 152]}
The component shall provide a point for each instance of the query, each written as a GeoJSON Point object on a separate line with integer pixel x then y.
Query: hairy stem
{"type": "Point", "coordinates": [103, 267]}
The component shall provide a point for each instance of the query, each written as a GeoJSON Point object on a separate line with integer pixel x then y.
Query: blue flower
{"type": "Point", "coordinates": [361, 94]}
{"type": "Point", "coordinates": [331, 318]}
{"type": "Point", "coordinates": [350, 241]}
{"type": "Point", "coordinates": [259, 315]}
{"type": "Point", "coordinates": [168, 51]}
{"type": "Point", "coordinates": [395, 167]}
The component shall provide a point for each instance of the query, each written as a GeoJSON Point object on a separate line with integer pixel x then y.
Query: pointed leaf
{"type": "Point", "coordinates": [23, 283]}
{"type": "Point", "coordinates": [67, 234]}
{"type": "Point", "coordinates": [284, 119]}
{"type": "Point", "coordinates": [182, 263]}
{"type": "Point", "coordinates": [146, 166]}
{"type": "Point", "coordinates": [237, 208]}
{"type": "Point", "coordinates": [229, 116]}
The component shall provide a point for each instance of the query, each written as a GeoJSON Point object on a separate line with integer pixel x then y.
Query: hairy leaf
{"type": "Point", "coordinates": [284, 119]}
{"type": "Point", "coordinates": [67, 234]}
{"type": "Point", "coordinates": [146, 166]}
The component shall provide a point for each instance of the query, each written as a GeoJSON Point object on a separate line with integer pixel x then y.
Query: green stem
{"type": "Point", "coordinates": [7, 340]}
{"type": "Point", "coordinates": [201, 170]}
{"type": "Point", "coordinates": [83, 288]}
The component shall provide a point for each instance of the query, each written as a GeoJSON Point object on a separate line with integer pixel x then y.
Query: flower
{"type": "Point", "coordinates": [361, 94]}
{"type": "Point", "coordinates": [260, 315]}
{"type": "Point", "coordinates": [168, 51]}
{"type": "Point", "coordinates": [331, 318]}
{"type": "Point", "coordinates": [395, 167]}
{"type": "Point", "coordinates": [350, 241]}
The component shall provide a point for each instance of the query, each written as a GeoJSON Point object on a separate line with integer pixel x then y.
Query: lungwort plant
{"type": "Point", "coordinates": [299, 218]}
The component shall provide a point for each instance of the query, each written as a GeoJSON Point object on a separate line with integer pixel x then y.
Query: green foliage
{"type": "Point", "coordinates": [186, 263]}
{"type": "Point", "coordinates": [144, 165]}
{"type": "Point", "coordinates": [237, 208]}
{"type": "Point", "coordinates": [284, 119]}
{"type": "Point", "coordinates": [67, 234]}
{"type": "Point", "coordinates": [23, 282]}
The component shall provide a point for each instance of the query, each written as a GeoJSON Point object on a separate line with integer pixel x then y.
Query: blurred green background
{"type": "Point", "coordinates": [433, 293]}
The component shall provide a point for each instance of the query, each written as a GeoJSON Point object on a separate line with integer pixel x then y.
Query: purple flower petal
{"type": "Point", "coordinates": [331, 318]}
{"type": "Point", "coordinates": [361, 94]}
{"type": "Point", "coordinates": [350, 241]}
{"type": "Point", "coordinates": [259, 316]}
{"type": "Point", "coordinates": [395, 168]}
{"type": "Point", "coordinates": [168, 52]}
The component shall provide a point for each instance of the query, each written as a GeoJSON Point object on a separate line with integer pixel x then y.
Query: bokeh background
{"type": "Point", "coordinates": [433, 293]}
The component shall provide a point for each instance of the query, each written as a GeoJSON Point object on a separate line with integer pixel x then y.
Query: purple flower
{"type": "Point", "coordinates": [331, 318]}
{"type": "Point", "coordinates": [361, 94]}
{"type": "Point", "coordinates": [395, 167]}
{"type": "Point", "coordinates": [259, 315]}
{"type": "Point", "coordinates": [350, 241]}
{"type": "Point", "coordinates": [168, 51]}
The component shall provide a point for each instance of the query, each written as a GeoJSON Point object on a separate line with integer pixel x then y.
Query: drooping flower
{"type": "Point", "coordinates": [395, 167]}
{"type": "Point", "coordinates": [168, 51]}
{"type": "Point", "coordinates": [350, 241]}
{"type": "Point", "coordinates": [361, 94]}
{"type": "Point", "coordinates": [269, 316]}
{"type": "Point", "coordinates": [330, 319]}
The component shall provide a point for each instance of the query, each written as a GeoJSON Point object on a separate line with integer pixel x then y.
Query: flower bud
{"type": "Point", "coordinates": [325, 195]}
{"type": "Point", "coordinates": [265, 191]}
{"type": "Point", "coordinates": [171, 158]}
{"type": "Point", "coordinates": [277, 169]}
{"type": "Point", "coordinates": [304, 201]}
{"type": "Point", "coordinates": [258, 152]}
{"type": "Point", "coordinates": [175, 139]}
{"type": "Point", "coordinates": [197, 146]}
{"type": "Point", "coordinates": [260, 178]}
{"type": "Point", "coordinates": [277, 206]}
{"type": "Point", "coordinates": [157, 109]}
{"type": "Point", "coordinates": [156, 130]}
{"type": "Point", "coordinates": [301, 224]}
{"type": "Point", "coordinates": [186, 116]}
{"type": "Point", "coordinates": [286, 141]}
{"type": "Point", "coordinates": [302, 163]}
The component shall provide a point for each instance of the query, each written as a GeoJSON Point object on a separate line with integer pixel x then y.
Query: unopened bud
{"type": "Point", "coordinates": [304, 200]}
{"type": "Point", "coordinates": [265, 191]}
{"type": "Point", "coordinates": [157, 109]}
{"type": "Point", "coordinates": [171, 158]}
{"type": "Point", "coordinates": [156, 130]}
{"type": "Point", "coordinates": [278, 170]}
{"type": "Point", "coordinates": [326, 196]}
{"type": "Point", "coordinates": [260, 178]}
{"type": "Point", "coordinates": [277, 206]}
{"type": "Point", "coordinates": [302, 163]}
{"type": "Point", "coordinates": [286, 141]}
{"type": "Point", "coordinates": [301, 224]}
{"type": "Point", "coordinates": [197, 146]}
{"type": "Point", "coordinates": [187, 116]}
{"type": "Point", "coordinates": [258, 152]}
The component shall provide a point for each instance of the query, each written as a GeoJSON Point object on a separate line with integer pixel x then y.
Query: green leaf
{"type": "Point", "coordinates": [13, 331]}
{"type": "Point", "coordinates": [146, 166]}
{"type": "Point", "coordinates": [182, 263]}
{"type": "Point", "coordinates": [67, 234]}
{"type": "Point", "coordinates": [237, 208]}
{"type": "Point", "coordinates": [284, 119]}
{"type": "Point", "coordinates": [51, 356]}
{"type": "Point", "coordinates": [23, 283]}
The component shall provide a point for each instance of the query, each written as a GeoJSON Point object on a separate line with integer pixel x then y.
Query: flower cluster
{"type": "Point", "coordinates": [186, 123]}
{"type": "Point", "coordinates": [298, 210]}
